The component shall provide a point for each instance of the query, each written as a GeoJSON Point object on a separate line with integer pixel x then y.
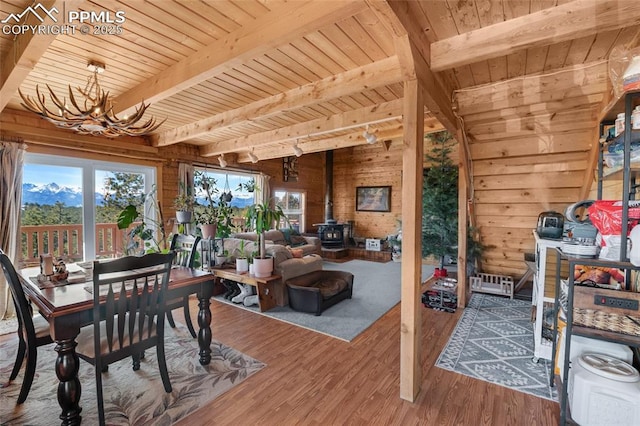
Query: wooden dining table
{"type": "Point", "coordinates": [69, 307]}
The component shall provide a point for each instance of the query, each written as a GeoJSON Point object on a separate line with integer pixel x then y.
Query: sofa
{"type": "Point", "coordinates": [318, 290]}
{"type": "Point", "coordinates": [287, 238]}
{"type": "Point", "coordinates": [284, 262]}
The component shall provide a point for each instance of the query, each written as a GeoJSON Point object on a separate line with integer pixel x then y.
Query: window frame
{"type": "Point", "coordinates": [303, 205]}
{"type": "Point", "coordinates": [89, 167]}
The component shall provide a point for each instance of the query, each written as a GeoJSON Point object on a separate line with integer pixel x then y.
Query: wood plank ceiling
{"type": "Point", "coordinates": [255, 76]}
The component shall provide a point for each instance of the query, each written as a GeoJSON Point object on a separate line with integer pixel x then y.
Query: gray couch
{"type": "Point", "coordinates": [284, 263]}
{"type": "Point", "coordinates": [286, 237]}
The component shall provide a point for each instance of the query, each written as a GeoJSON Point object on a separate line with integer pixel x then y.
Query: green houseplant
{"type": "Point", "coordinates": [207, 215]}
{"type": "Point", "coordinates": [440, 201]}
{"type": "Point", "coordinates": [249, 186]}
{"type": "Point", "coordinates": [148, 234]}
{"type": "Point", "coordinates": [440, 207]}
{"type": "Point", "coordinates": [261, 217]}
{"type": "Point", "coordinates": [184, 204]}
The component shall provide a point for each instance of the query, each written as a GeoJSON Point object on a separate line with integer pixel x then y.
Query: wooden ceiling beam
{"type": "Point", "coordinates": [288, 22]}
{"type": "Point", "coordinates": [431, 125]}
{"type": "Point", "coordinates": [415, 60]}
{"type": "Point", "coordinates": [578, 18]}
{"type": "Point", "coordinates": [335, 123]}
{"type": "Point", "coordinates": [24, 54]}
{"type": "Point", "coordinates": [377, 74]}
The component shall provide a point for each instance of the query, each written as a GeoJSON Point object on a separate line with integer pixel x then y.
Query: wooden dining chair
{"type": "Point", "coordinates": [185, 247]}
{"type": "Point", "coordinates": [33, 330]}
{"type": "Point", "coordinates": [128, 315]}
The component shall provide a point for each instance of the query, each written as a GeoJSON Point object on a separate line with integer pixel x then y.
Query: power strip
{"type": "Point", "coordinates": [615, 302]}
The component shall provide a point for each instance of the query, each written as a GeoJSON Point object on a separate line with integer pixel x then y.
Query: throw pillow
{"type": "Point", "coordinates": [287, 235]}
{"type": "Point", "coordinates": [297, 252]}
{"type": "Point", "coordinates": [298, 240]}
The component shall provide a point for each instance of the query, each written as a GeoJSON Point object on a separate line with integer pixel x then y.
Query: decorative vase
{"type": "Point", "coordinates": [208, 230]}
{"type": "Point", "coordinates": [263, 268]}
{"type": "Point", "coordinates": [251, 269]}
{"type": "Point", "coordinates": [242, 264]}
{"type": "Point", "coordinates": [183, 216]}
{"type": "Point", "coordinates": [220, 260]}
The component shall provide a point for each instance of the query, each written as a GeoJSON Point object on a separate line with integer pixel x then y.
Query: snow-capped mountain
{"type": "Point", "coordinates": [51, 193]}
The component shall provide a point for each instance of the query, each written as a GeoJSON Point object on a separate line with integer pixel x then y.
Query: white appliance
{"type": "Point", "coordinates": [581, 345]}
{"type": "Point", "coordinates": [604, 391]}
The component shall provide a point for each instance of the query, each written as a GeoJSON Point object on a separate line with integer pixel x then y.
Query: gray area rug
{"type": "Point", "coordinates": [376, 289]}
{"type": "Point", "coordinates": [131, 397]}
{"type": "Point", "coordinates": [493, 341]}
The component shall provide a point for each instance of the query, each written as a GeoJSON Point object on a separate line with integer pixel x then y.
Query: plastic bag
{"type": "Point", "coordinates": [622, 63]}
{"type": "Point", "coordinates": [606, 216]}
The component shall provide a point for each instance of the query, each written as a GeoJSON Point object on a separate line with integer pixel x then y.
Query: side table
{"type": "Point", "coordinates": [266, 287]}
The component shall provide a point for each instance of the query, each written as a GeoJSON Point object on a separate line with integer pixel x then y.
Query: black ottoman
{"type": "Point", "coordinates": [316, 291]}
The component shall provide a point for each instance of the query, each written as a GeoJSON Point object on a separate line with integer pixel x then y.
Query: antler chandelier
{"type": "Point", "coordinates": [94, 114]}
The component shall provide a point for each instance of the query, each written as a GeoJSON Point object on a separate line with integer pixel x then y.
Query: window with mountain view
{"type": "Point", "coordinates": [70, 206]}
{"type": "Point", "coordinates": [239, 189]}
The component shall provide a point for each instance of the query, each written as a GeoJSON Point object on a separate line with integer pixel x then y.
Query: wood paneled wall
{"type": "Point", "coordinates": [529, 140]}
{"type": "Point", "coordinates": [368, 165]}
{"type": "Point", "coordinates": [310, 181]}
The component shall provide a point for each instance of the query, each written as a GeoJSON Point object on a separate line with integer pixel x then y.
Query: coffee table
{"type": "Point", "coordinates": [266, 287]}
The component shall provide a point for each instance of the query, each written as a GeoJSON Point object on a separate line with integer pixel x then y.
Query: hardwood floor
{"type": "Point", "coordinates": [313, 379]}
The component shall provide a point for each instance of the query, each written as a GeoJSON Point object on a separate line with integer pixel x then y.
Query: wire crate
{"type": "Point", "coordinates": [501, 285]}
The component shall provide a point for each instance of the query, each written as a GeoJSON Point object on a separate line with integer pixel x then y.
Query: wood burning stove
{"type": "Point", "coordinates": [331, 234]}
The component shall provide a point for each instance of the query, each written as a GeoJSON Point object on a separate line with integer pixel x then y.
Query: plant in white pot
{"type": "Point", "coordinates": [261, 217]}
{"type": "Point", "coordinates": [184, 204]}
{"type": "Point", "coordinates": [242, 259]}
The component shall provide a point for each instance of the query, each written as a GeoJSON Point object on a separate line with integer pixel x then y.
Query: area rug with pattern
{"type": "Point", "coordinates": [131, 397]}
{"type": "Point", "coordinates": [493, 341]}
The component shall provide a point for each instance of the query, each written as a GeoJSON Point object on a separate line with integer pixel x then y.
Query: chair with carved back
{"type": "Point", "coordinates": [128, 315]}
{"type": "Point", "coordinates": [185, 247]}
{"type": "Point", "coordinates": [33, 330]}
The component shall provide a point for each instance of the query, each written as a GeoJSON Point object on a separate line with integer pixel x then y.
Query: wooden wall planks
{"type": "Point", "coordinates": [528, 159]}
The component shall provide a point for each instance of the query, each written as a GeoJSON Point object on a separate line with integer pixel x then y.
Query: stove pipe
{"type": "Point", "coordinates": [328, 194]}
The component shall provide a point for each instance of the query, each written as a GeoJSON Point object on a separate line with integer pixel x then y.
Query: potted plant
{"type": "Point", "coordinates": [440, 209]}
{"type": "Point", "coordinates": [252, 257]}
{"type": "Point", "coordinates": [221, 257]}
{"type": "Point", "coordinates": [184, 204]}
{"type": "Point", "coordinates": [207, 215]}
{"type": "Point", "coordinates": [242, 259]}
{"type": "Point", "coordinates": [261, 217]}
{"type": "Point", "coordinates": [149, 231]}
{"type": "Point", "coordinates": [249, 186]}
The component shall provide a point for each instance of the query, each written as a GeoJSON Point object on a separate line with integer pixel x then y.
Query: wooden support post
{"type": "Point", "coordinates": [411, 315]}
{"type": "Point", "coordinates": [463, 218]}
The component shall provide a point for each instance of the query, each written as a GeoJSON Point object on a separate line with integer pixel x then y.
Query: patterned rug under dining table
{"type": "Point", "coordinates": [69, 307]}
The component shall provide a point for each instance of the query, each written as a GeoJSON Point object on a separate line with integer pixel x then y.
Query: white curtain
{"type": "Point", "coordinates": [11, 160]}
{"type": "Point", "coordinates": [185, 178]}
{"type": "Point", "coordinates": [263, 189]}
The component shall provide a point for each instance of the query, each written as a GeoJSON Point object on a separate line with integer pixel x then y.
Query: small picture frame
{"type": "Point", "coordinates": [290, 169]}
{"type": "Point", "coordinates": [373, 198]}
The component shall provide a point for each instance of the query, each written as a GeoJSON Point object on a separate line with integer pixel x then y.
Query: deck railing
{"type": "Point", "coordinates": [66, 241]}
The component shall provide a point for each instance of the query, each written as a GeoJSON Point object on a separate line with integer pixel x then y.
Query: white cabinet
{"type": "Point", "coordinates": [542, 346]}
